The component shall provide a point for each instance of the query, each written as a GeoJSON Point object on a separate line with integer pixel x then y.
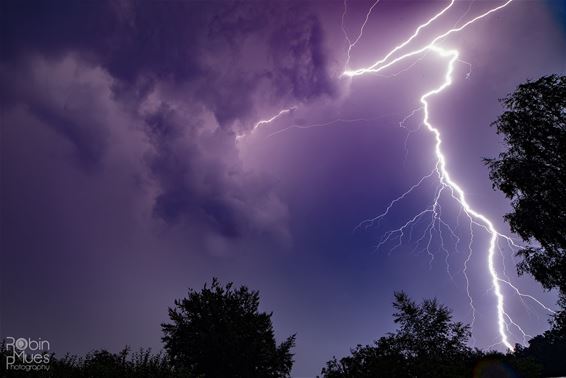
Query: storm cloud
{"type": "Point", "coordinates": [187, 77]}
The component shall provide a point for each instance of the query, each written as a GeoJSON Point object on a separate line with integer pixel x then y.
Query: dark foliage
{"type": "Point", "coordinates": [497, 365]}
{"type": "Point", "coordinates": [532, 173]}
{"type": "Point", "coordinates": [428, 343]}
{"type": "Point", "coordinates": [549, 349]}
{"type": "Point", "coordinates": [218, 332]}
{"type": "Point", "coordinates": [100, 363]}
{"type": "Point", "coordinates": [220, 329]}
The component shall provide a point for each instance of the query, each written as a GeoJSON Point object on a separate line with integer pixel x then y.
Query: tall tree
{"type": "Point", "coordinates": [532, 173]}
{"type": "Point", "coordinates": [218, 332]}
{"type": "Point", "coordinates": [428, 343]}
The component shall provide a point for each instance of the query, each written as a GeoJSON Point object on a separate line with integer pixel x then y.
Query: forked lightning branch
{"type": "Point", "coordinates": [504, 321]}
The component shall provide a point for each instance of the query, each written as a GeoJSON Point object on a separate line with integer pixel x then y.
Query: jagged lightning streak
{"type": "Point", "coordinates": [264, 122]}
{"type": "Point", "coordinates": [446, 179]}
{"type": "Point", "coordinates": [504, 321]}
{"type": "Point", "coordinates": [351, 44]}
{"type": "Point", "coordinates": [399, 47]}
{"type": "Point", "coordinates": [381, 64]}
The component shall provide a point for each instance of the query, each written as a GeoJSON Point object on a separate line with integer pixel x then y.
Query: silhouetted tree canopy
{"type": "Point", "coordinates": [532, 173]}
{"type": "Point", "coordinates": [427, 344]}
{"type": "Point", "coordinates": [548, 350]}
{"type": "Point", "coordinates": [219, 332]}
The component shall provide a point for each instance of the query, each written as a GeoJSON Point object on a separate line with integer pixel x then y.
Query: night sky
{"type": "Point", "coordinates": [130, 172]}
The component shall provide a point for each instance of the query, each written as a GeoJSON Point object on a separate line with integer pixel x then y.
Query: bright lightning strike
{"type": "Point", "coordinates": [504, 321]}
{"type": "Point", "coordinates": [381, 64]}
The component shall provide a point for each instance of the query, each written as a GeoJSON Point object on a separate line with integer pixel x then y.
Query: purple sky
{"type": "Point", "coordinates": [122, 182]}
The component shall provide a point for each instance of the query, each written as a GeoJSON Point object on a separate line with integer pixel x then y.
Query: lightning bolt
{"type": "Point", "coordinates": [446, 183]}
{"type": "Point", "coordinates": [382, 64]}
{"type": "Point", "coordinates": [505, 322]}
{"type": "Point", "coordinates": [264, 122]}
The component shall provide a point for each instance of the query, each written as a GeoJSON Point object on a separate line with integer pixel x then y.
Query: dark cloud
{"type": "Point", "coordinates": [201, 179]}
{"type": "Point", "coordinates": [174, 41]}
{"type": "Point", "coordinates": [127, 38]}
{"type": "Point", "coordinates": [300, 60]}
{"type": "Point", "coordinates": [186, 74]}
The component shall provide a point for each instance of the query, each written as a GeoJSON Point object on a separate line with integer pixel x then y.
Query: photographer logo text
{"type": "Point", "coordinates": [27, 354]}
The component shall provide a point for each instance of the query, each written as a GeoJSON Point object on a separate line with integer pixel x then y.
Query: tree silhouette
{"type": "Point", "coordinates": [218, 332]}
{"type": "Point", "coordinates": [532, 173]}
{"type": "Point", "coordinates": [548, 350]}
{"type": "Point", "coordinates": [427, 344]}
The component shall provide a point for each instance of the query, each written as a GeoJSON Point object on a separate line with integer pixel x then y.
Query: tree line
{"type": "Point", "coordinates": [219, 332]}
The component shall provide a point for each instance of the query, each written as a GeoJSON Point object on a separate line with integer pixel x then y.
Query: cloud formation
{"type": "Point", "coordinates": [174, 84]}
